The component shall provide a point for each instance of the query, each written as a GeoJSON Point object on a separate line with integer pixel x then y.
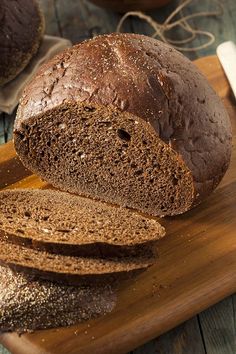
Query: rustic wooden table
{"type": "Point", "coordinates": [212, 331]}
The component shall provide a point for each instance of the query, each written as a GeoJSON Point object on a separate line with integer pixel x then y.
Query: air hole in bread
{"type": "Point", "coordinates": [27, 258]}
{"type": "Point", "coordinates": [133, 165]}
{"type": "Point", "coordinates": [138, 172]}
{"type": "Point", "coordinates": [20, 136]}
{"type": "Point", "coordinates": [175, 181]}
{"type": "Point", "coordinates": [122, 134]}
{"type": "Point", "coordinates": [107, 123]}
{"type": "Point", "coordinates": [20, 231]}
{"type": "Point", "coordinates": [201, 100]}
{"type": "Point", "coordinates": [90, 109]}
{"type": "Point", "coordinates": [27, 214]}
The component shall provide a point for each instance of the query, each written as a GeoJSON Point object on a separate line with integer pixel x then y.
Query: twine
{"type": "Point", "coordinates": [161, 29]}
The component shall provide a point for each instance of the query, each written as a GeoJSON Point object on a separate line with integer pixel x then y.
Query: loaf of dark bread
{"type": "Point", "coordinates": [66, 224]}
{"type": "Point", "coordinates": [126, 119]}
{"type": "Point", "coordinates": [27, 303]}
{"type": "Point", "coordinates": [21, 30]}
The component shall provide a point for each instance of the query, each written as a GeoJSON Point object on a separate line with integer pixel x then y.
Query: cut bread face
{"type": "Point", "coordinates": [100, 152]}
{"type": "Point", "coordinates": [67, 224]}
{"type": "Point", "coordinates": [71, 270]}
{"type": "Point", "coordinates": [30, 304]}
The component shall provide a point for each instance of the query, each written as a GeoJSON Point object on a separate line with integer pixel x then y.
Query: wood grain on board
{"type": "Point", "coordinates": [196, 268]}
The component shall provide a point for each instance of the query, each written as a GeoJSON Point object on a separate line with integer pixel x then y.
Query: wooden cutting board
{"type": "Point", "coordinates": [196, 267]}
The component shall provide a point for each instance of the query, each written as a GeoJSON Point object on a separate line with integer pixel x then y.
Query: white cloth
{"type": "Point", "coordinates": [11, 92]}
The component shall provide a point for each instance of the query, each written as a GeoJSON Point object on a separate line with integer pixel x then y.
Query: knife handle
{"type": "Point", "coordinates": [226, 53]}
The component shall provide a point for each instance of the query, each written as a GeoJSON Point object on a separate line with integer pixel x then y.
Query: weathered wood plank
{"type": "Point", "coordinates": [218, 328]}
{"type": "Point", "coordinates": [2, 134]}
{"type": "Point", "coordinates": [6, 127]}
{"type": "Point", "coordinates": [140, 26]}
{"type": "Point", "coordinates": [3, 350]}
{"type": "Point", "coordinates": [223, 27]}
{"type": "Point", "coordinates": [8, 124]}
{"type": "Point", "coordinates": [81, 20]}
{"type": "Point", "coordinates": [184, 339]}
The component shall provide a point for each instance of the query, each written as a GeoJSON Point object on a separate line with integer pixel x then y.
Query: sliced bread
{"type": "Point", "coordinates": [29, 304]}
{"type": "Point", "coordinates": [71, 270]}
{"type": "Point", "coordinates": [66, 224]}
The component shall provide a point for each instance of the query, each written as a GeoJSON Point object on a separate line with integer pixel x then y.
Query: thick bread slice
{"type": "Point", "coordinates": [71, 270]}
{"type": "Point", "coordinates": [29, 304]}
{"type": "Point", "coordinates": [67, 224]}
{"type": "Point", "coordinates": [126, 119]}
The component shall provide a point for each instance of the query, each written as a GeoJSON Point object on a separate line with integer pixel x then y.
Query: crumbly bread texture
{"type": "Point", "coordinates": [67, 224]}
{"type": "Point", "coordinates": [126, 119]}
{"type": "Point", "coordinates": [28, 304]}
{"type": "Point", "coordinates": [71, 270]}
{"type": "Point", "coordinates": [22, 27]}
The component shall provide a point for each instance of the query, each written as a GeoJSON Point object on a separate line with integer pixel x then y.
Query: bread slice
{"type": "Point", "coordinates": [71, 270]}
{"type": "Point", "coordinates": [62, 223]}
{"type": "Point", "coordinates": [126, 119]}
{"type": "Point", "coordinates": [28, 304]}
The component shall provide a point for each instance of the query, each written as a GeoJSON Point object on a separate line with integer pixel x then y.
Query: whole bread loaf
{"type": "Point", "coordinates": [67, 224]}
{"type": "Point", "coordinates": [21, 29]}
{"type": "Point", "coordinates": [27, 303]}
{"type": "Point", "coordinates": [126, 119]}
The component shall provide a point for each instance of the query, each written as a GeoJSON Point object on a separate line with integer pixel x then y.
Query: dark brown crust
{"type": "Point", "coordinates": [22, 27]}
{"type": "Point", "coordinates": [164, 88]}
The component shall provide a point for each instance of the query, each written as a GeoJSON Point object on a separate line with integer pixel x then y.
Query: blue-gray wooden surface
{"type": "Point", "coordinates": [213, 331]}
